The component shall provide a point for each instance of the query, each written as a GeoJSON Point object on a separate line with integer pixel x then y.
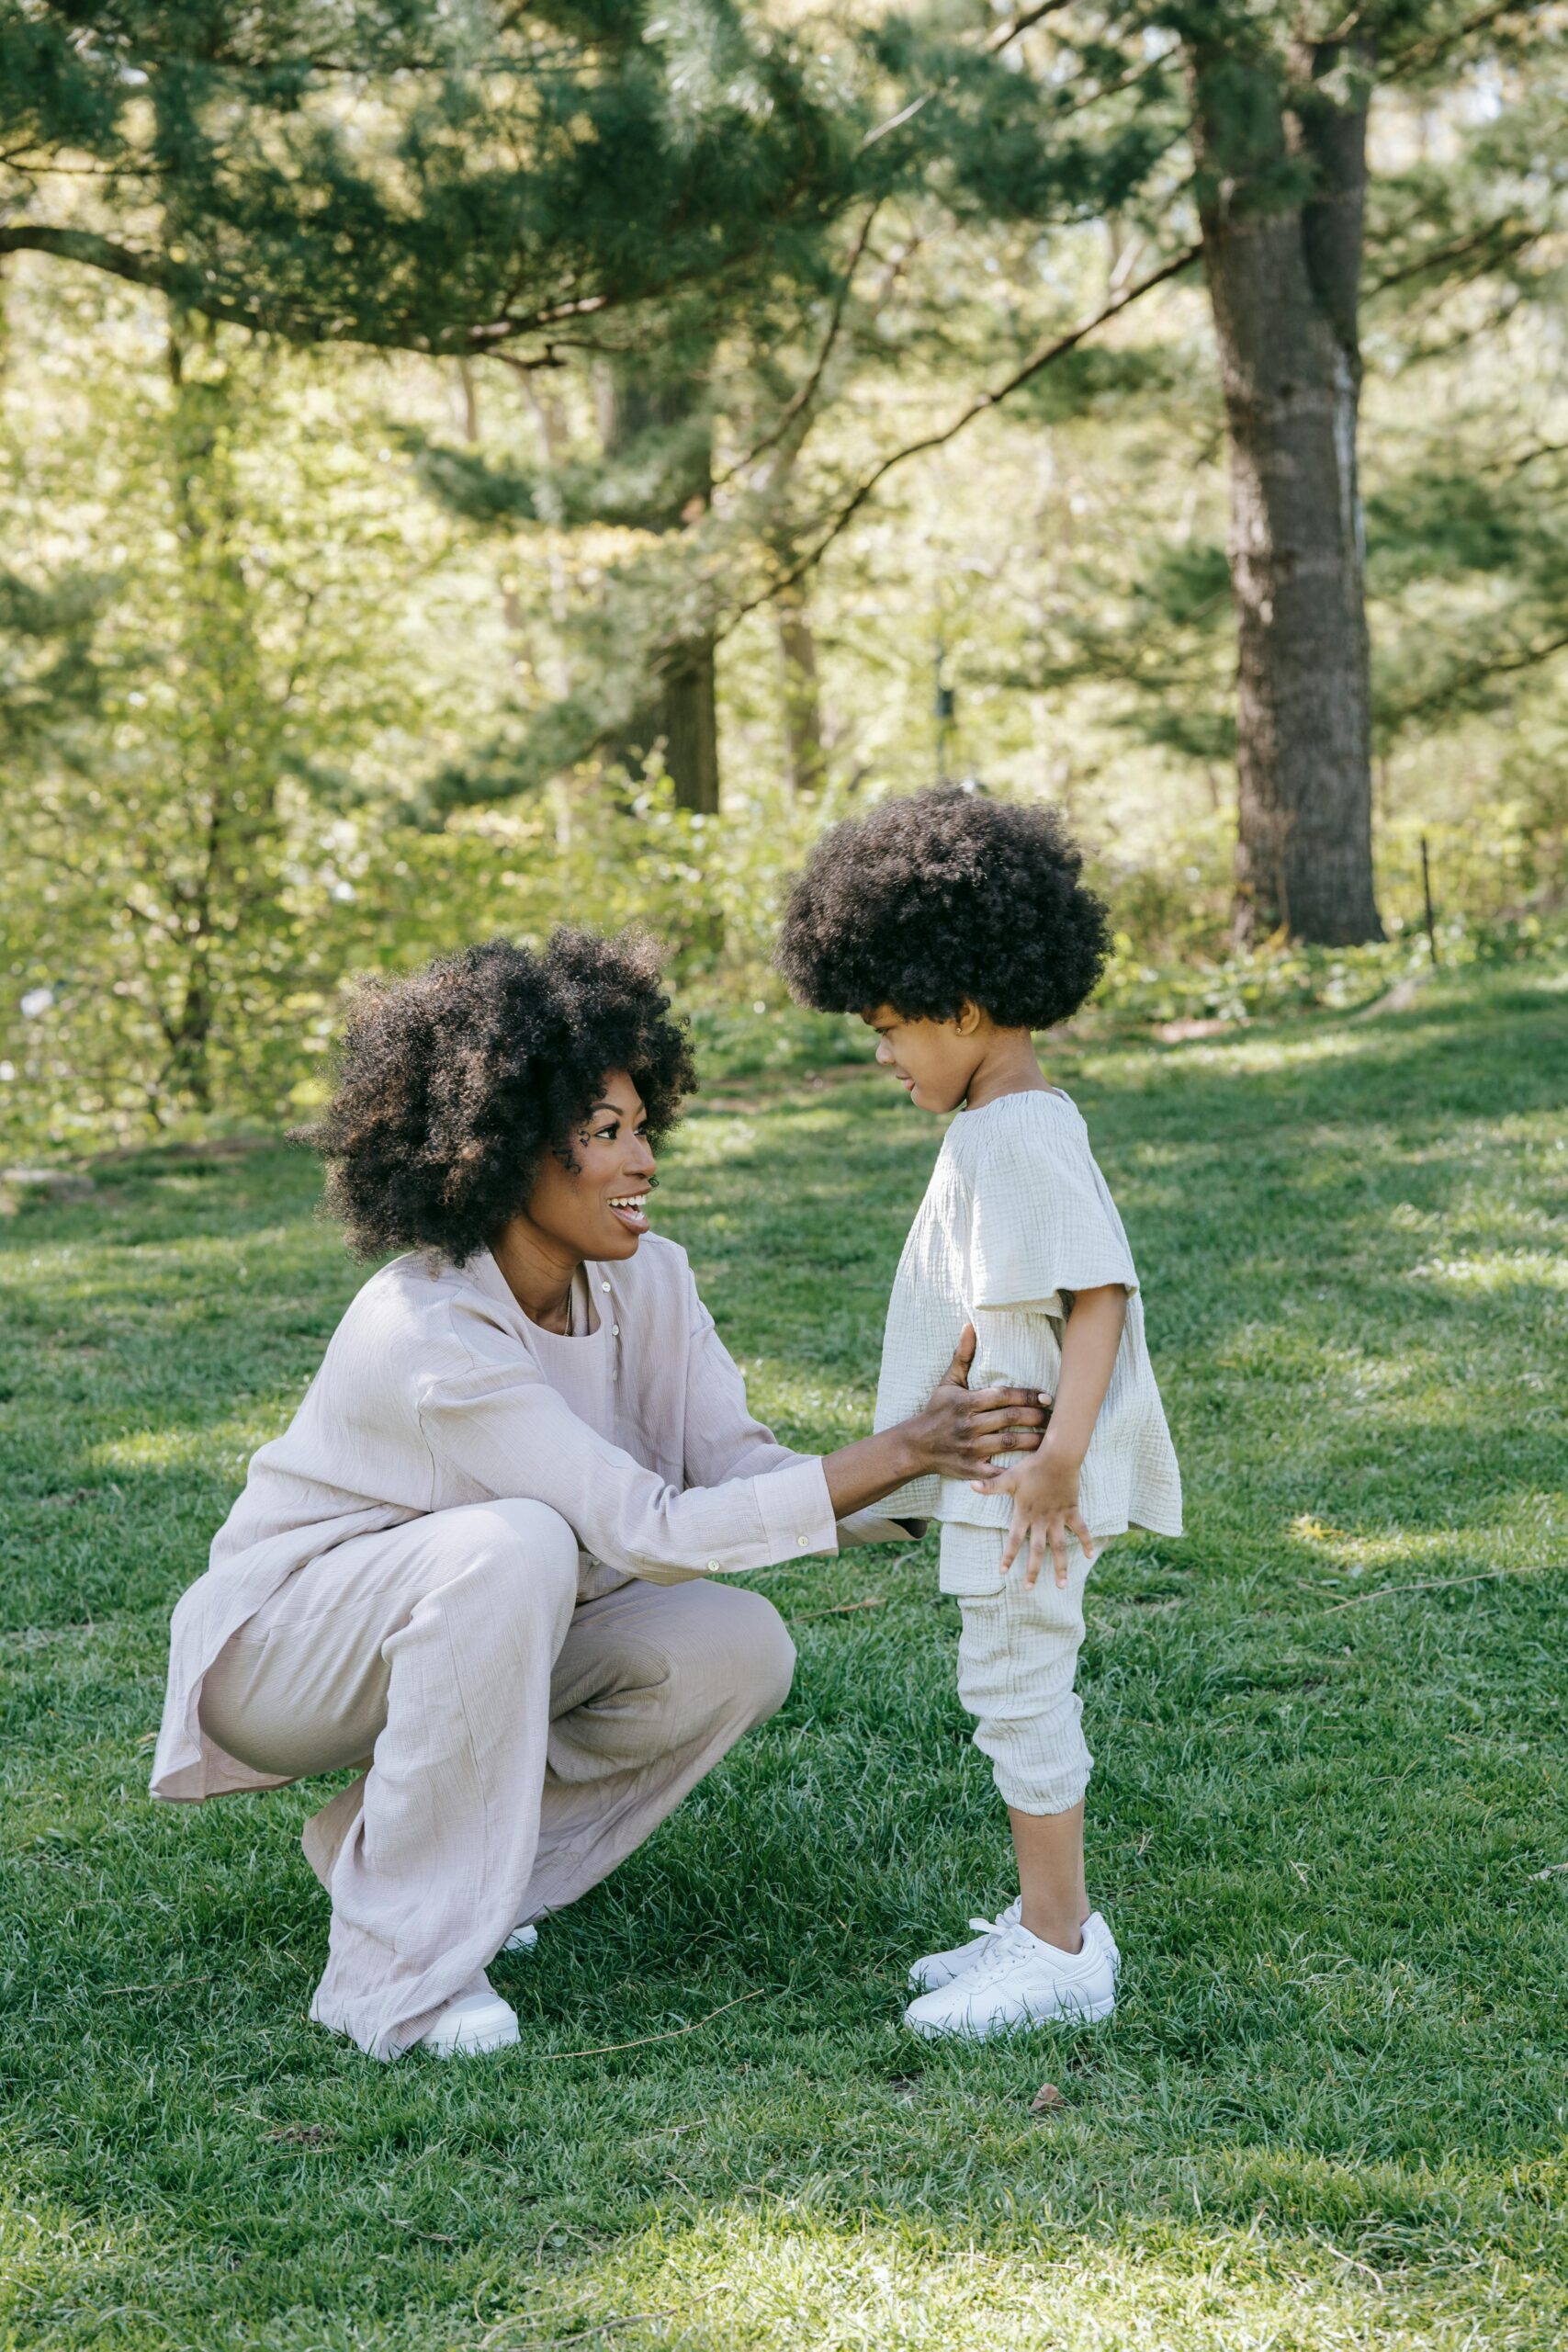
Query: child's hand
{"type": "Point", "coordinates": [1045, 1491]}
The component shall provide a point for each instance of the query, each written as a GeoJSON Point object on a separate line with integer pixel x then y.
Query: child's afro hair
{"type": "Point", "coordinates": [453, 1082]}
{"type": "Point", "coordinates": [941, 898]}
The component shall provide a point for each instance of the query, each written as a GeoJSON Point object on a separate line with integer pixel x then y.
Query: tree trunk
{"type": "Point", "coordinates": [1283, 271]}
{"type": "Point", "coordinates": [682, 712]}
{"type": "Point", "coordinates": [689, 722]}
{"type": "Point", "coordinates": [802, 699]}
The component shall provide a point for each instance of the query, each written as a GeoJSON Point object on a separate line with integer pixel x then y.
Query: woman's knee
{"type": "Point", "coordinates": [518, 1552]}
{"type": "Point", "coordinates": [761, 1652]}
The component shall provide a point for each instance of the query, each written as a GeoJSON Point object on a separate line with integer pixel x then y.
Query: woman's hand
{"type": "Point", "coordinates": [1044, 1512]}
{"type": "Point", "coordinates": [963, 1429]}
{"type": "Point", "coordinates": [958, 1434]}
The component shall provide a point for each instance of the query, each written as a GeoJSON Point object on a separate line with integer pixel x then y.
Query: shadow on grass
{"type": "Point", "coordinates": [1328, 1828]}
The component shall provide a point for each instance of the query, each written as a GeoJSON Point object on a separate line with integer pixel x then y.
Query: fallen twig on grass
{"type": "Point", "coordinates": [607, 2049]}
{"type": "Point", "coordinates": [118, 1992]}
{"type": "Point", "coordinates": [842, 1608]}
{"type": "Point", "coordinates": [1428, 1584]}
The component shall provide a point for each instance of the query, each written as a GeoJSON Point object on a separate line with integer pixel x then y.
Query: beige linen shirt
{"type": "Point", "coordinates": [436, 1391]}
{"type": "Point", "coordinates": [1017, 1218]}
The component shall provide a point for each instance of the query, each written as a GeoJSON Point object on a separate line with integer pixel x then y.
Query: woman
{"type": "Point", "coordinates": [473, 1565]}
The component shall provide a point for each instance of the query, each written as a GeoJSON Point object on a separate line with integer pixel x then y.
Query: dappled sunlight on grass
{"type": "Point", "coordinates": [1181, 2282]}
{"type": "Point", "coordinates": [223, 1444]}
{"type": "Point", "coordinates": [1326, 1818]}
{"type": "Point", "coordinates": [1494, 1271]}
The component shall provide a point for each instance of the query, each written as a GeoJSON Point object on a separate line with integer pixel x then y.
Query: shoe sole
{"type": "Point", "coordinates": [1083, 2013]}
{"type": "Point", "coordinates": [475, 2045]}
{"type": "Point", "coordinates": [921, 1984]}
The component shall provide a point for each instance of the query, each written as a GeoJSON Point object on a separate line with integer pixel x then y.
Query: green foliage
{"type": "Point", "coordinates": [183, 832]}
{"type": "Point", "coordinates": [492, 582]}
{"type": "Point", "coordinates": [411, 174]}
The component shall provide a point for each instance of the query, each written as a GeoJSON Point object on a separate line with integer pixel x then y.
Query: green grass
{"type": "Point", "coordinates": [1333, 2108]}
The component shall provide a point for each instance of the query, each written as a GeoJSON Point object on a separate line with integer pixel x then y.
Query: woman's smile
{"type": "Point", "coordinates": [631, 1209]}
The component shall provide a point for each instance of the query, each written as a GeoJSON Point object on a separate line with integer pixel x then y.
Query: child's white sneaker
{"type": "Point", "coordinates": [939, 1968]}
{"type": "Point", "coordinates": [1019, 1980]}
{"type": "Point", "coordinates": [472, 2021]}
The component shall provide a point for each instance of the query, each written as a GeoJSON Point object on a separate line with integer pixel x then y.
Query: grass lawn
{"type": "Point", "coordinates": [1327, 1820]}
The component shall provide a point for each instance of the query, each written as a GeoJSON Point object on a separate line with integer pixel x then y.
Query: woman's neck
{"type": "Point", "coordinates": [538, 1271]}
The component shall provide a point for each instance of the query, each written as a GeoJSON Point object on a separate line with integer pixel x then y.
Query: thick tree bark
{"type": "Point", "coordinates": [1283, 271]}
{"type": "Point", "coordinates": [682, 712]}
{"type": "Point", "coordinates": [688, 720]}
{"type": "Point", "coordinates": [802, 696]}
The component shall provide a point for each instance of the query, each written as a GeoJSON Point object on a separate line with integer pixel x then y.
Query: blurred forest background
{"type": "Point", "coordinates": [470, 466]}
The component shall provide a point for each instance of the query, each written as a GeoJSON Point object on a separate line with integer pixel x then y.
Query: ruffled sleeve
{"type": "Point", "coordinates": [1042, 1218]}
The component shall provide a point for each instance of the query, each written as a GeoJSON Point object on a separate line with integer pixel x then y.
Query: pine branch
{"type": "Point", "coordinates": [84, 245]}
{"type": "Point", "coordinates": [992, 46]}
{"type": "Point", "coordinates": [806, 392]}
{"type": "Point", "coordinates": [1056, 349]}
{"type": "Point", "coordinates": [1432, 52]}
{"type": "Point", "coordinates": [1504, 237]}
{"type": "Point", "coordinates": [1529, 657]}
{"type": "Point", "coordinates": [1531, 456]}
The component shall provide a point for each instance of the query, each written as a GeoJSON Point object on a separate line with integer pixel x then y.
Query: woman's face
{"type": "Point", "coordinates": [600, 1209]}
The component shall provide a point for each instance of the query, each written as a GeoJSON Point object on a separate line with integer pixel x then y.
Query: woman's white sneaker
{"type": "Point", "coordinates": [939, 1968]}
{"type": "Point", "coordinates": [1017, 1981]}
{"type": "Point", "coordinates": [475, 2020]}
{"type": "Point", "coordinates": [523, 1939]}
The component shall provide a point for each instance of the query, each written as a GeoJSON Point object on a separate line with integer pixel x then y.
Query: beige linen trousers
{"type": "Point", "coordinates": [516, 1745]}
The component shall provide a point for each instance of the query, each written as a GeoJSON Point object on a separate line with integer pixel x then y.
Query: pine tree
{"type": "Point", "coordinates": [524, 182]}
{"type": "Point", "coordinates": [1242, 128]}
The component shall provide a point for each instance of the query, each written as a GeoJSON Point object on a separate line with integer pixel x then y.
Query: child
{"type": "Point", "coordinates": [955, 925]}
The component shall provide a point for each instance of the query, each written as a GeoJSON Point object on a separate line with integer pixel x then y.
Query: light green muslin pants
{"type": "Point", "coordinates": [521, 1743]}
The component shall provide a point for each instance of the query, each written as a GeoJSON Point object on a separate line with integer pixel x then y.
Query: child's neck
{"type": "Point", "coordinates": [1006, 1066]}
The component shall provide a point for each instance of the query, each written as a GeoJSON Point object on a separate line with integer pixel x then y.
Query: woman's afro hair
{"type": "Point", "coordinates": [941, 898]}
{"type": "Point", "coordinates": [452, 1083]}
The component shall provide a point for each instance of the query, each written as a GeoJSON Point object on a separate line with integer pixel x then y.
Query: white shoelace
{"type": "Point", "coordinates": [1006, 1917]}
{"type": "Point", "coordinates": [997, 1926]}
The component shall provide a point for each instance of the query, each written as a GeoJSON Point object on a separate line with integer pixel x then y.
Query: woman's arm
{"type": "Point", "coordinates": [724, 1440]}
{"type": "Point", "coordinates": [486, 1409]}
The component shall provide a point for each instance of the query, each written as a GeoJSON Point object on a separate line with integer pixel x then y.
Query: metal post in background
{"type": "Point", "coordinates": [1426, 895]}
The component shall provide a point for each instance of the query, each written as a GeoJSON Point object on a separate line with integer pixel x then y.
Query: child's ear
{"type": "Point", "coordinates": [969, 1018]}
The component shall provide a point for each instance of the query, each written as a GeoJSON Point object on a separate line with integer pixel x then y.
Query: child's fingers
{"type": "Point", "coordinates": [1010, 1543]}
{"type": "Point", "coordinates": [1074, 1521]}
{"type": "Point", "coordinates": [1059, 1552]}
{"type": "Point", "coordinates": [1036, 1555]}
{"type": "Point", "coordinates": [995, 1482]}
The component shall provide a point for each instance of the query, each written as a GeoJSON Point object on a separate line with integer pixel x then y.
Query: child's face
{"type": "Point", "coordinates": [932, 1061]}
